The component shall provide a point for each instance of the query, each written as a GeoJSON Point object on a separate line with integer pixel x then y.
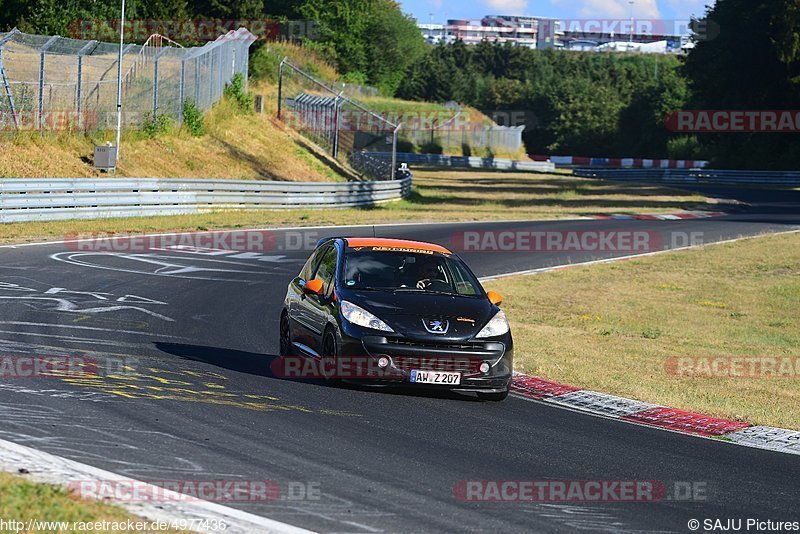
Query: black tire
{"type": "Point", "coordinates": [285, 336]}
{"type": "Point", "coordinates": [494, 397]}
{"type": "Point", "coordinates": [330, 354]}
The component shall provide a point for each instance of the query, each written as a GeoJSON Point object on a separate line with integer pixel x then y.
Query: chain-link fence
{"type": "Point", "coordinates": [453, 134]}
{"type": "Point", "coordinates": [55, 83]}
{"type": "Point", "coordinates": [340, 125]}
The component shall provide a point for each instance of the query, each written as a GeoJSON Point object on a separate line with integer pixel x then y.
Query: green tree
{"type": "Point", "coordinates": [753, 63]}
{"type": "Point", "coordinates": [342, 28]}
{"type": "Point", "coordinates": [227, 9]}
{"type": "Point", "coordinates": [393, 43]}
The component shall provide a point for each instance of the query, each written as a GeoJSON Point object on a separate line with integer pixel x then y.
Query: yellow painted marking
{"type": "Point", "coordinates": [164, 384]}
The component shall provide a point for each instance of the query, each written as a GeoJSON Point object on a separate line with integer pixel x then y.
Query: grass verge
{"type": "Point", "coordinates": [23, 500]}
{"type": "Point", "coordinates": [438, 196]}
{"type": "Point", "coordinates": [614, 327]}
{"type": "Point", "coordinates": [235, 146]}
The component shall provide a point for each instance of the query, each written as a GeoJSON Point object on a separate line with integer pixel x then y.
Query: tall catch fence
{"type": "Point", "coordinates": [55, 83]}
{"type": "Point", "coordinates": [458, 132]}
{"type": "Point", "coordinates": [339, 124]}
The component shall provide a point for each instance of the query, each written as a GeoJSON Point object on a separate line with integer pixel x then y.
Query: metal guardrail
{"type": "Point", "coordinates": [45, 199]}
{"type": "Point", "coordinates": [695, 176]}
{"type": "Point", "coordinates": [370, 166]}
{"type": "Point", "coordinates": [441, 160]}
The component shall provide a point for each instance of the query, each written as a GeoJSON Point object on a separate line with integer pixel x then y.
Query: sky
{"type": "Point", "coordinates": [558, 9]}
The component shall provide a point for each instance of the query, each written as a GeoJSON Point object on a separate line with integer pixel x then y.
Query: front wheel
{"type": "Point", "coordinates": [285, 336]}
{"type": "Point", "coordinates": [495, 397]}
{"type": "Point", "coordinates": [330, 356]}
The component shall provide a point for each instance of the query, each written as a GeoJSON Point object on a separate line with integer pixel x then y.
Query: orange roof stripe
{"type": "Point", "coordinates": [394, 243]}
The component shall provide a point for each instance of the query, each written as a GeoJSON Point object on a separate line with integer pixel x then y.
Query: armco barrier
{"type": "Point", "coordinates": [441, 160]}
{"type": "Point", "coordinates": [695, 176]}
{"type": "Point", "coordinates": [575, 161]}
{"type": "Point", "coordinates": [86, 198]}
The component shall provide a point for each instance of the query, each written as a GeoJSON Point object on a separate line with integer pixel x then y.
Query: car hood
{"type": "Point", "coordinates": [405, 312]}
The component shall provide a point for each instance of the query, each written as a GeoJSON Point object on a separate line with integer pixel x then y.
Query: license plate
{"type": "Point", "coordinates": [436, 377]}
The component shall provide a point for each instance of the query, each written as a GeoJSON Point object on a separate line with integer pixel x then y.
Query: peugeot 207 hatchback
{"type": "Point", "coordinates": [407, 312]}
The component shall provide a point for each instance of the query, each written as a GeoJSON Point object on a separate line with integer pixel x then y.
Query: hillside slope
{"type": "Point", "coordinates": [235, 146]}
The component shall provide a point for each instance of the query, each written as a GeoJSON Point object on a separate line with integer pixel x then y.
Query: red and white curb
{"type": "Point", "coordinates": [642, 163]}
{"type": "Point", "coordinates": [47, 468]}
{"type": "Point", "coordinates": [644, 413]}
{"type": "Point", "coordinates": [661, 216]}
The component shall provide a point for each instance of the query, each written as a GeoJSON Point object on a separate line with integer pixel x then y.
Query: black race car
{"type": "Point", "coordinates": [391, 311]}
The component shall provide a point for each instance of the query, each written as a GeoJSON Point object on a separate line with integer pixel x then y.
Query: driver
{"type": "Point", "coordinates": [428, 272]}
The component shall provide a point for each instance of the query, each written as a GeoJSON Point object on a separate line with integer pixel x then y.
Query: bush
{"type": "Point", "coordinates": [684, 147]}
{"type": "Point", "coordinates": [193, 118]}
{"type": "Point", "coordinates": [235, 91]}
{"type": "Point", "coordinates": [155, 125]}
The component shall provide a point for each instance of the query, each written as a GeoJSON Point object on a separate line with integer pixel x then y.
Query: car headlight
{"type": "Point", "coordinates": [497, 326]}
{"type": "Point", "coordinates": [361, 317]}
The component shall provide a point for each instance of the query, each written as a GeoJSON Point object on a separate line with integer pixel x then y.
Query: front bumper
{"type": "Point", "coordinates": [465, 357]}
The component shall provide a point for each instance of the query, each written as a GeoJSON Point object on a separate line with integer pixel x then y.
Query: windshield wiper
{"type": "Point", "coordinates": [418, 290]}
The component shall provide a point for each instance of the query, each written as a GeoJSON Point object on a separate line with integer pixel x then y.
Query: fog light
{"type": "Point", "coordinates": [484, 368]}
{"type": "Point", "coordinates": [383, 362]}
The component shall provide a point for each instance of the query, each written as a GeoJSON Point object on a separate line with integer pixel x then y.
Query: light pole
{"type": "Point", "coordinates": [630, 41]}
{"type": "Point", "coordinates": [119, 79]}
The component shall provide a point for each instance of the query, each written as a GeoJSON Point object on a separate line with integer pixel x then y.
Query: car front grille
{"type": "Point", "coordinates": [467, 366]}
{"type": "Point", "coordinates": [452, 346]}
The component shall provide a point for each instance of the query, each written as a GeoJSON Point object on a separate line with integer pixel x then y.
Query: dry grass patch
{"type": "Point", "coordinates": [613, 327]}
{"type": "Point", "coordinates": [235, 146]}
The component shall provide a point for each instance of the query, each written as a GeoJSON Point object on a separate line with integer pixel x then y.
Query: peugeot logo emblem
{"type": "Point", "coordinates": [436, 326]}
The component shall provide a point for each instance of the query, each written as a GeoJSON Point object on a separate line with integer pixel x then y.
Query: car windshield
{"type": "Point", "coordinates": [411, 271]}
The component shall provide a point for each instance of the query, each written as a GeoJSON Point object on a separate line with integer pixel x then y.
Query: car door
{"type": "Point", "coordinates": [302, 333]}
{"type": "Point", "coordinates": [317, 308]}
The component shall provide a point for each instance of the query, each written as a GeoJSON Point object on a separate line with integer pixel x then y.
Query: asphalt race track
{"type": "Point", "coordinates": [183, 342]}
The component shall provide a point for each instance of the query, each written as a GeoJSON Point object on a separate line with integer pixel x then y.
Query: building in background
{"type": "Point", "coordinates": [435, 33]}
{"type": "Point", "coordinates": [587, 35]}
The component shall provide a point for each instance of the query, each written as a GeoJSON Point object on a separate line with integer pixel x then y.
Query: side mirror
{"type": "Point", "coordinates": [313, 287]}
{"type": "Point", "coordinates": [494, 297]}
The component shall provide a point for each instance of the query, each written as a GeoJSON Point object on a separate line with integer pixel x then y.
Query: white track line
{"type": "Point", "coordinates": [764, 438]}
{"type": "Point", "coordinates": [281, 228]}
{"type": "Point", "coordinates": [628, 257]}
